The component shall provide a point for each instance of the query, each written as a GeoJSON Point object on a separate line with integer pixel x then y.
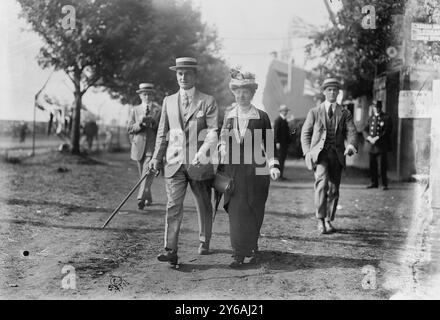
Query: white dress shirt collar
{"type": "Point", "coordinates": [189, 92]}
{"type": "Point", "coordinates": [282, 116]}
{"type": "Point", "coordinates": [327, 105]}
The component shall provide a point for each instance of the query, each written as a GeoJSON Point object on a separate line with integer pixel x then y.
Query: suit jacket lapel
{"type": "Point", "coordinates": [193, 107]}
{"type": "Point", "coordinates": [321, 115]}
{"type": "Point", "coordinates": [174, 108]}
{"type": "Point", "coordinates": [338, 114]}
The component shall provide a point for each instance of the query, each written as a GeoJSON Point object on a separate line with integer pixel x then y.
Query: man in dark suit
{"type": "Point", "coordinates": [322, 139]}
{"type": "Point", "coordinates": [282, 137]}
{"type": "Point", "coordinates": [378, 135]}
{"type": "Point", "coordinates": [187, 137]}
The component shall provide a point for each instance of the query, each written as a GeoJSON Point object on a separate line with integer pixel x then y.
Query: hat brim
{"type": "Point", "coordinates": [174, 68]}
{"type": "Point", "coordinates": [145, 90]}
{"type": "Point", "coordinates": [252, 86]}
{"type": "Point", "coordinates": [331, 84]}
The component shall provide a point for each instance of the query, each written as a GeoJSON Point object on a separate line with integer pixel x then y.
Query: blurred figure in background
{"type": "Point", "coordinates": [91, 132]}
{"type": "Point", "coordinates": [142, 125]}
{"type": "Point", "coordinates": [108, 138]}
{"type": "Point", "coordinates": [282, 137]}
{"type": "Point", "coordinates": [23, 131]}
{"type": "Point", "coordinates": [378, 135]}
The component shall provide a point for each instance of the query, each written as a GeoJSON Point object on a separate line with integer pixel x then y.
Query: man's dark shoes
{"type": "Point", "coordinates": [329, 227]}
{"type": "Point", "coordinates": [237, 263]}
{"type": "Point", "coordinates": [168, 256]}
{"type": "Point", "coordinates": [385, 188]}
{"type": "Point", "coordinates": [203, 249]}
{"type": "Point", "coordinates": [321, 227]}
{"type": "Point", "coordinates": [141, 205]}
{"type": "Point", "coordinates": [371, 186]}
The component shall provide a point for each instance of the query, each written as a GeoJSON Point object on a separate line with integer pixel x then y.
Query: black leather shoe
{"type": "Point", "coordinates": [321, 227]}
{"type": "Point", "coordinates": [203, 249]}
{"type": "Point", "coordinates": [168, 256]}
{"type": "Point", "coordinates": [385, 188]}
{"type": "Point", "coordinates": [237, 263]}
{"type": "Point", "coordinates": [253, 260]}
{"type": "Point", "coordinates": [329, 227]}
{"type": "Point", "coordinates": [141, 205]}
{"type": "Point", "coordinates": [372, 186]}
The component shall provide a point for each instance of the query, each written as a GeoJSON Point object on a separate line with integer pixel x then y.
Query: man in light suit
{"type": "Point", "coordinates": [322, 139]}
{"type": "Point", "coordinates": [142, 125]}
{"type": "Point", "coordinates": [187, 136]}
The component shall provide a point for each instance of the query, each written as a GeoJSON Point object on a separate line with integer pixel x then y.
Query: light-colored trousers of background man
{"type": "Point", "coordinates": [176, 189]}
{"type": "Point", "coordinates": [144, 192]}
{"type": "Point", "coordinates": [328, 173]}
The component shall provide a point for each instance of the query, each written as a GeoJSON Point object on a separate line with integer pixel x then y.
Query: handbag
{"type": "Point", "coordinates": [222, 182]}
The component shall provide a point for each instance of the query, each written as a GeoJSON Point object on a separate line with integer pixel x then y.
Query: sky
{"type": "Point", "coordinates": [249, 31]}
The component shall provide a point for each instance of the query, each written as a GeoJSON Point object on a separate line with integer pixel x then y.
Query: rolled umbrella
{"type": "Point", "coordinates": [217, 197]}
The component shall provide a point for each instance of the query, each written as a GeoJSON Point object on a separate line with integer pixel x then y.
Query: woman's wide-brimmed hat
{"type": "Point", "coordinates": [331, 82]}
{"type": "Point", "coordinates": [185, 62]}
{"type": "Point", "coordinates": [240, 79]}
{"type": "Point", "coordinates": [146, 87]}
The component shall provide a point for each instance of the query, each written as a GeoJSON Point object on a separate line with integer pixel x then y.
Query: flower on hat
{"type": "Point", "coordinates": [237, 74]}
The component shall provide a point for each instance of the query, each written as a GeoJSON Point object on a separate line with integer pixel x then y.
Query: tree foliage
{"type": "Point", "coordinates": [349, 51]}
{"type": "Point", "coordinates": [117, 44]}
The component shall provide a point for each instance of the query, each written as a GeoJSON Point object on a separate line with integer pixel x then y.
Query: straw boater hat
{"type": "Point", "coordinates": [241, 79]}
{"type": "Point", "coordinates": [331, 82]}
{"type": "Point", "coordinates": [146, 87]}
{"type": "Point", "coordinates": [185, 62]}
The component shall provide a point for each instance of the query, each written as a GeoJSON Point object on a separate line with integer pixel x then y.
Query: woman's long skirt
{"type": "Point", "coordinates": [246, 209]}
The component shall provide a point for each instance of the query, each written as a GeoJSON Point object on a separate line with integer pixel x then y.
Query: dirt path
{"type": "Point", "coordinates": [53, 206]}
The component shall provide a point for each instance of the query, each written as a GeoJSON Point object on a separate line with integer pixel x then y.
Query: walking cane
{"type": "Point", "coordinates": [150, 172]}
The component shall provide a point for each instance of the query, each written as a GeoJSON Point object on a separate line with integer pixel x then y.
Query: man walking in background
{"type": "Point", "coordinates": [322, 139]}
{"type": "Point", "coordinates": [143, 123]}
{"type": "Point", "coordinates": [282, 137]}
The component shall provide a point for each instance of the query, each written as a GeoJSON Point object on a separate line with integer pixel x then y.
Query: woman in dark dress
{"type": "Point", "coordinates": [247, 152]}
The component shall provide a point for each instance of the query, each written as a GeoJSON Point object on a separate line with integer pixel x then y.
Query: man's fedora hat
{"type": "Point", "coordinates": [331, 82]}
{"type": "Point", "coordinates": [146, 87]}
{"type": "Point", "coordinates": [185, 62]}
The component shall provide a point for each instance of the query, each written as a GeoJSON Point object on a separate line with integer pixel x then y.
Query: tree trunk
{"type": "Point", "coordinates": [77, 119]}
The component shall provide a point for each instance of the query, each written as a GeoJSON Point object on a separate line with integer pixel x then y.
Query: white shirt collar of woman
{"type": "Point", "coordinates": [252, 114]}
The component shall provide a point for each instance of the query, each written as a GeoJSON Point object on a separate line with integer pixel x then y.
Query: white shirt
{"type": "Point", "coordinates": [282, 116]}
{"type": "Point", "coordinates": [147, 106]}
{"type": "Point", "coordinates": [327, 105]}
{"type": "Point", "coordinates": [189, 93]}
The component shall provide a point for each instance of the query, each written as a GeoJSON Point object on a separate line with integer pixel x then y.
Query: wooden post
{"type": "Point", "coordinates": [434, 171]}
